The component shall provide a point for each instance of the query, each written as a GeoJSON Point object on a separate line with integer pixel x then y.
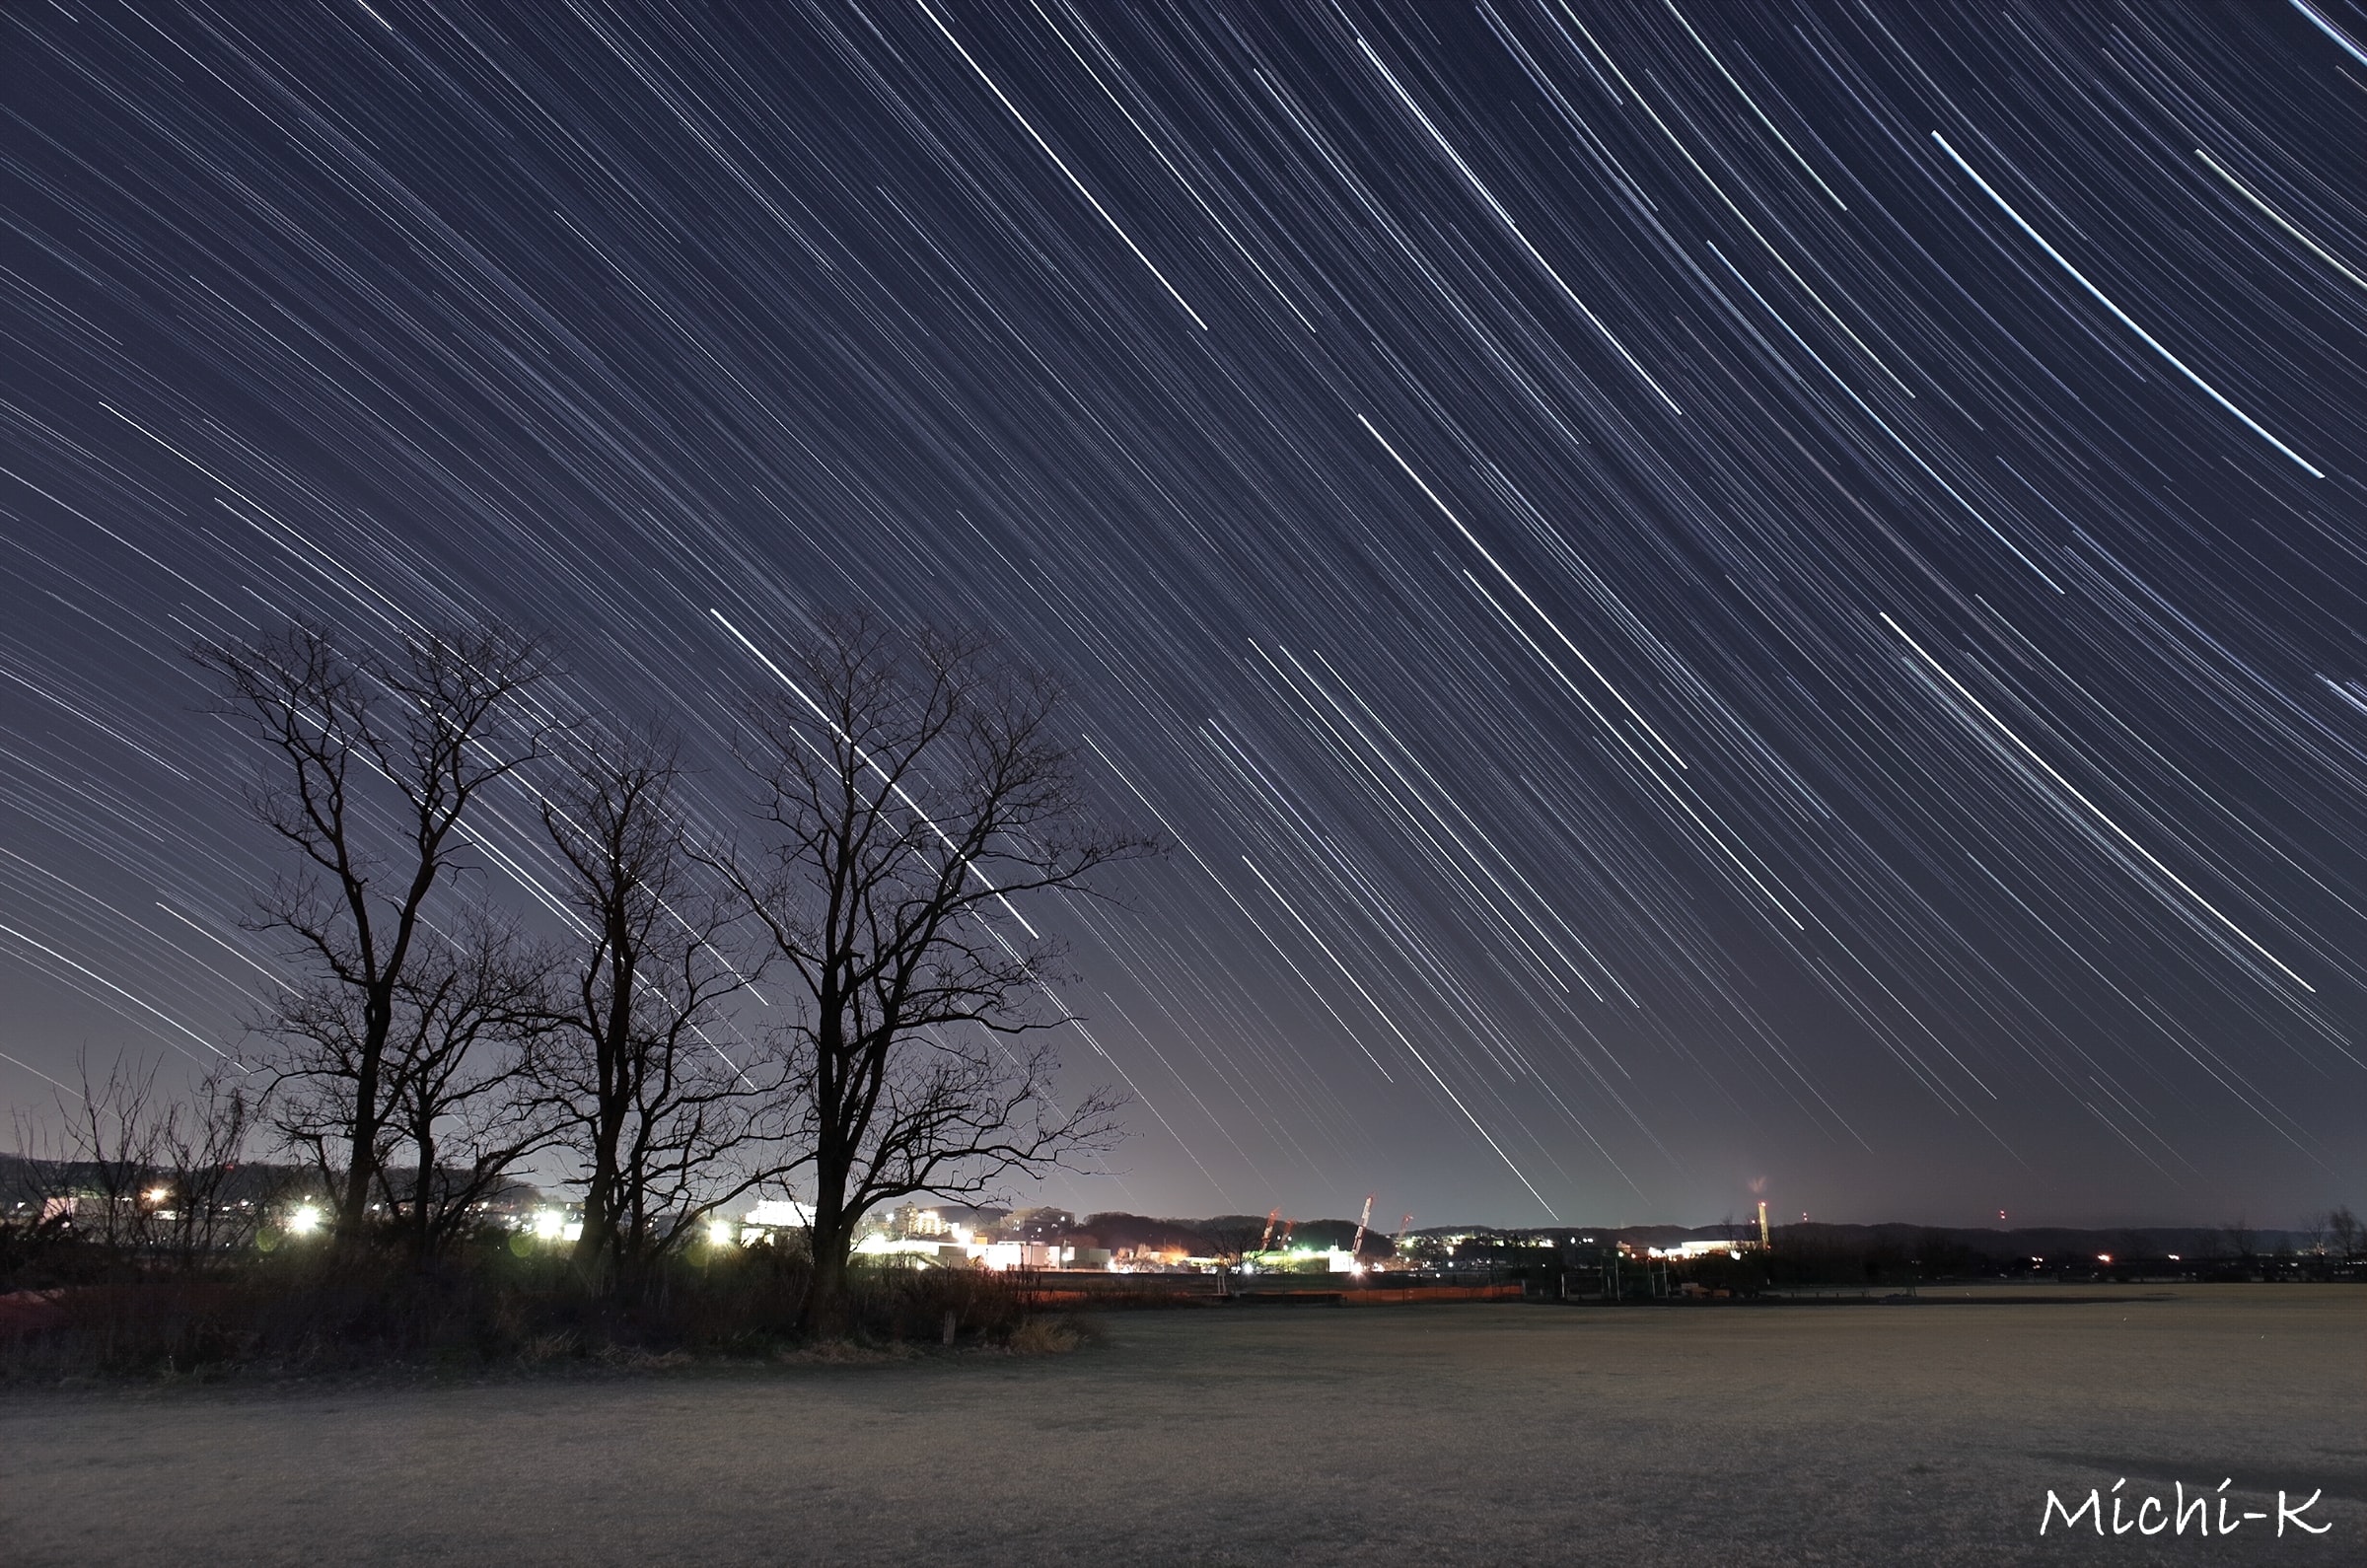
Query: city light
{"type": "Point", "coordinates": [305, 1219]}
{"type": "Point", "coordinates": [719, 1233]}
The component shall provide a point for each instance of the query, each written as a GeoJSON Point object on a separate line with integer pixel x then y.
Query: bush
{"type": "Point", "coordinates": [311, 1309]}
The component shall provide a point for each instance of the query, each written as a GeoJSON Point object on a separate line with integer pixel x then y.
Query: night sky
{"type": "Point", "coordinates": [1714, 602]}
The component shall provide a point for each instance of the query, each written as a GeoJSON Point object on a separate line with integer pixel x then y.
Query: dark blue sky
{"type": "Point", "coordinates": [1718, 600]}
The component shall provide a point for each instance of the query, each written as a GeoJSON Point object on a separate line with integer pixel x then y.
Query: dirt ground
{"type": "Point", "coordinates": [1923, 1433]}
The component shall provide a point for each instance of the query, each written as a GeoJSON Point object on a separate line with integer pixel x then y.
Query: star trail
{"type": "Point", "coordinates": [1711, 601]}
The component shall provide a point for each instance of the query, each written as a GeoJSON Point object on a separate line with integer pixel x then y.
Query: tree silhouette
{"type": "Point", "coordinates": [914, 793]}
{"type": "Point", "coordinates": [663, 1126]}
{"type": "Point", "coordinates": [380, 756]}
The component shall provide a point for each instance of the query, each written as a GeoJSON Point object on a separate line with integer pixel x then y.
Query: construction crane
{"type": "Point", "coordinates": [1356, 1248]}
{"type": "Point", "coordinates": [1288, 1226]}
{"type": "Point", "coordinates": [1264, 1241]}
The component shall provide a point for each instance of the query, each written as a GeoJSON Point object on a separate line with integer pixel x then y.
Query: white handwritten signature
{"type": "Point", "coordinates": [2153, 1513]}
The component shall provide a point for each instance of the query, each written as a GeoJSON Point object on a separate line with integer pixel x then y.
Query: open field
{"type": "Point", "coordinates": [1926, 1433]}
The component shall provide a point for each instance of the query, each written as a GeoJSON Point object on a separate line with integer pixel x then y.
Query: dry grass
{"type": "Point", "coordinates": [1053, 1336]}
{"type": "Point", "coordinates": [484, 1310]}
{"type": "Point", "coordinates": [845, 1353]}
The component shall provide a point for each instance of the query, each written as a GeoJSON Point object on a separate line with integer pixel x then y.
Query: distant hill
{"type": "Point", "coordinates": [2126, 1243]}
{"type": "Point", "coordinates": [2129, 1243]}
{"type": "Point", "coordinates": [1120, 1231]}
{"type": "Point", "coordinates": [1220, 1232]}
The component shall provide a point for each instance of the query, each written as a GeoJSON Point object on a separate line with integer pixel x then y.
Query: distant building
{"type": "Point", "coordinates": [925, 1252]}
{"type": "Point", "coordinates": [773, 1216]}
{"type": "Point", "coordinates": [1685, 1249]}
{"type": "Point", "coordinates": [913, 1220]}
{"type": "Point", "coordinates": [1001, 1255]}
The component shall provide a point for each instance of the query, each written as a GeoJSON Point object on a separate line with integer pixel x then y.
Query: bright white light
{"type": "Point", "coordinates": [159, 1195]}
{"type": "Point", "coordinates": [719, 1233]}
{"type": "Point", "coordinates": [548, 1223]}
{"type": "Point", "coordinates": [305, 1220]}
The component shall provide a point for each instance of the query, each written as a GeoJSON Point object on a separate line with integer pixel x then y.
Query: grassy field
{"type": "Point", "coordinates": [1899, 1434]}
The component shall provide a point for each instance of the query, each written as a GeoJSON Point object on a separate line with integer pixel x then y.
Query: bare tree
{"type": "Point", "coordinates": [2345, 1233]}
{"type": "Point", "coordinates": [379, 758]}
{"type": "Point", "coordinates": [2241, 1241]}
{"type": "Point", "coordinates": [471, 1004]}
{"type": "Point", "coordinates": [665, 1127]}
{"type": "Point", "coordinates": [2308, 1237]}
{"type": "Point", "coordinates": [96, 1165]}
{"type": "Point", "coordinates": [914, 791]}
{"type": "Point", "coordinates": [201, 1146]}
{"type": "Point", "coordinates": [1230, 1239]}
{"type": "Point", "coordinates": [139, 1175]}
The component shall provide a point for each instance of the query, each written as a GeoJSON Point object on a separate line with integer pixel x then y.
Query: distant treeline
{"type": "Point", "coordinates": [2128, 1244]}
{"type": "Point", "coordinates": [31, 1181]}
{"type": "Point", "coordinates": [23, 1180]}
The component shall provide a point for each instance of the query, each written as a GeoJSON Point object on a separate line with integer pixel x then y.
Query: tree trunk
{"type": "Point", "coordinates": [608, 1194]}
{"type": "Point", "coordinates": [595, 1246]}
{"type": "Point", "coordinates": [824, 1314]}
{"type": "Point", "coordinates": [354, 1212]}
{"type": "Point", "coordinates": [422, 1214]}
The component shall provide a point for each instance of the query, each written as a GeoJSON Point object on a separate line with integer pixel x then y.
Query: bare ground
{"type": "Point", "coordinates": [1925, 1433]}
